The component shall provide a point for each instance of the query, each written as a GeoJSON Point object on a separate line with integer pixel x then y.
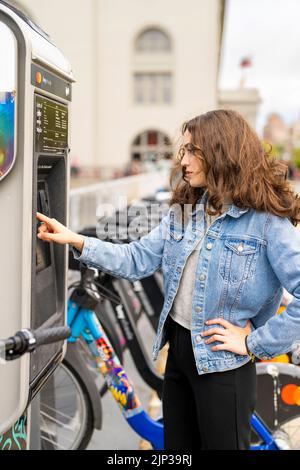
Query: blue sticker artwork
{"type": "Point", "coordinates": [7, 131]}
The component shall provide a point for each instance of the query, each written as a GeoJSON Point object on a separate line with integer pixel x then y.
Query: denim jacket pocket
{"type": "Point", "coordinates": [238, 259]}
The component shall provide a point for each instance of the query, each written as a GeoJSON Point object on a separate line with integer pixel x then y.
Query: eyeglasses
{"type": "Point", "coordinates": [190, 150]}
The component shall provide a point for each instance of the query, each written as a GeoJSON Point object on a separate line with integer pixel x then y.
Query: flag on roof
{"type": "Point", "coordinates": [245, 62]}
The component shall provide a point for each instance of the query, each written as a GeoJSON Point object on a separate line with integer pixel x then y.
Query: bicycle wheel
{"type": "Point", "coordinates": [66, 411]}
{"type": "Point", "coordinates": [278, 402]}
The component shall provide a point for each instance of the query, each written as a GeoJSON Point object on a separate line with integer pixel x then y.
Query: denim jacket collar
{"type": "Point", "coordinates": [233, 210]}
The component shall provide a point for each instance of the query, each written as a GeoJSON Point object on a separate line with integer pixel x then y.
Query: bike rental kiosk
{"type": "Point", "coordinates": [35, 96]}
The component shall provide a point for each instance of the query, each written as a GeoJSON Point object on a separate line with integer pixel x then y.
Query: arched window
{"type": "Point", "coordinates": [153, 40]}
{"type": "Point", "coordinates": [151, 146]}
{"type": "Point", "coordinates": [153, 68]}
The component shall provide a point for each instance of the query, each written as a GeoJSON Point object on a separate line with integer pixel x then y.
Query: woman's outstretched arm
{"type": "Point", "coordinates": [131, 261]}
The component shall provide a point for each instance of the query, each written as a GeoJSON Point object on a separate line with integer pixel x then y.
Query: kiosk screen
{"type": "Point", "coordinates": [51, 126]}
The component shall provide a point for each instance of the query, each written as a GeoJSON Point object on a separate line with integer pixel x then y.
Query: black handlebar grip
{"type": "Point", "coordinates": [52, 335]}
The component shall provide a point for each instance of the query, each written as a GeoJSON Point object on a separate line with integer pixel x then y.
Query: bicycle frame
{"type": "Point", "coordinates": [261, 429]}
{"type": "Point", "coordinates": [85, 322]}
{"type": "Point", "coordinates": [134, 341]}
{"type": "Point", "coordinates": [121, 305]}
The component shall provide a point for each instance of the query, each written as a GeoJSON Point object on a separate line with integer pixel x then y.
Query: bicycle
{"type": "Point", "coordinates": [73, 376]}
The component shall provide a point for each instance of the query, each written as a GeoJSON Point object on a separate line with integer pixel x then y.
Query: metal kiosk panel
{"type": "Point", "coordinates": [35, 96]}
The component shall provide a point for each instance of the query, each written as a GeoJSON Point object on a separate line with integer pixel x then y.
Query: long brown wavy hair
{"type": "Point", "coordinates": [235, 162]}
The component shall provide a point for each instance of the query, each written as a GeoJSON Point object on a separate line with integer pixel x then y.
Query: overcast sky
{"type": "Point", "coordinates": [269, 32]}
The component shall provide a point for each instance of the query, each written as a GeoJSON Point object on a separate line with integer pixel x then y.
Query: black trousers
{"type": "Point", "coordinates": [204, 412]}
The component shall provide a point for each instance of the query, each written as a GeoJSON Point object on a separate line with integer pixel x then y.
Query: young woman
{"type": "Point", "coordinates": [226, 248]}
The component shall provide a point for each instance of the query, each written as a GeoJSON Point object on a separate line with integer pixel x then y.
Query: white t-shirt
{"type": "Point", "coordinates": [181, 310]}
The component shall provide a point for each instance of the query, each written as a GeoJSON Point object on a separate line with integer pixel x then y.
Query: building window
{"type": "Point", "coordinates": [153, 88]}
{"type": "Point", "coordinates": [151, 146]}
{"type": "Point", "coordinates": [153, 68]}
{"type": "Point", "coordinates": [153, 41]}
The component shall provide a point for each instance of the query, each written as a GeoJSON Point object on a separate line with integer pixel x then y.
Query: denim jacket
{"type": "Point", "coordinates": [246, 258]}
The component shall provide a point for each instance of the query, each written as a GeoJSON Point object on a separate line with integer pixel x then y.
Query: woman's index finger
{"type": "Point", "coordinates": [43, 218]}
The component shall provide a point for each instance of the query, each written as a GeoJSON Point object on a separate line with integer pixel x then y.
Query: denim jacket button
{"type": "Point", "coordinates": [205, 369]}
{"type": "Point", "coordinates": [209, 246]}
{"type": "Point", "coordinates": [240, 248]}
{"type": "Point", "coordinates": [202, 277]}
{"type": "Point", "coordinates": [199, 309]}
{"type": "Point", "coordinates": [198, 339]}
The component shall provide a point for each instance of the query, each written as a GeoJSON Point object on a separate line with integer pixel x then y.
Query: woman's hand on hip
{"type": "Point", "coordinates": [53, 231]}
{"type": "Point", "coordinates": [231, 337]}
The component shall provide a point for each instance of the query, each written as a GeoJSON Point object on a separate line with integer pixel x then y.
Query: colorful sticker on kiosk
{"type": "Point", "coordinates": [16, 437]}
{"type": "Point", "coordinates": [7, 132]}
